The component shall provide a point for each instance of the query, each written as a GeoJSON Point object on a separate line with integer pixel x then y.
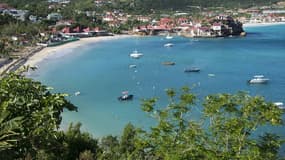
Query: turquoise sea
{"type": "Point", "coordinates": [100, 71]}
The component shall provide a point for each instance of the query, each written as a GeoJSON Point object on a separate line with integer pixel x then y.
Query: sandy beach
{"type": "Point", "coordinates": [51, 51]}
{"type": "Point", "coordinates": [262, 24]}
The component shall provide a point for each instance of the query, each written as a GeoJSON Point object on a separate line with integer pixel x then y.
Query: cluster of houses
{"type": "Point", "coordinates": [16, 13]}
{"type": "Point", "coordinates": [218, 26]}
{"type": "Point", "coordinates": [24, 15]}
{"type": "Point", "coordinates": [266, 16]}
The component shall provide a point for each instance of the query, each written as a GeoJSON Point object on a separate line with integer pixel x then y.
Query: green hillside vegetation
{"type": "Point", "coordinates": [30, 116]}
{"type": "Point", "coordinates": [150, 4]}
{"type": "Point", "coordinates": [188, 4]}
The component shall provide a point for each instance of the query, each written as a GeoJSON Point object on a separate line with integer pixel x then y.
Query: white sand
{"type": "Point", "coordinates": [262, 24]}
{"type": "Point", "coordinates": [51, 51]}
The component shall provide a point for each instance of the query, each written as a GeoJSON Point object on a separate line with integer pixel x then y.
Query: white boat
{"type": "Point", "coordinates": [77, 93]}
{"type": "Point", "coordinates": [168, 37]}
{"type": "Point", "coordinates": [258, 79]}
{"type": "Point", "coordinates": [168, 45]}
{"type": "Point", "coordinates": [132, 66]}
{"type": "Point", "coordinates": [280, 105]}
{"type": "Point", "coordinates": [135, 54]}
{"type": "Point", "coordinates": [211, 75]}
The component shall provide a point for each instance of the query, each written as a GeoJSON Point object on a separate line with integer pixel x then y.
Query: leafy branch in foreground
{"type": "Point", "coordinates": [8, 135]}
{"type": "Point", "coordinates": [40, 112]}
{"type": "Point", "coordinates": [224, 131]}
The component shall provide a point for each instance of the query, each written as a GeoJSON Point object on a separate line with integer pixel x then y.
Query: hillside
{"type": "Point", "coordinates": [183, 4]}
{"type": "Point", "coordinates": [161, 4]}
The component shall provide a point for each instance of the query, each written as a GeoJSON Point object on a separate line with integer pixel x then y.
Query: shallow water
{"type": "Point", "coordinates": [100, 71]}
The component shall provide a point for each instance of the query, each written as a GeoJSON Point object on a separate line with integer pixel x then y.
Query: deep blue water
{"type": "Point", "coordinates": [100, 72]}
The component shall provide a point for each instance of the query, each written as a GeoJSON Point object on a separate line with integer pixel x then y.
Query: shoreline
{"type": "Point", "coordinates": [262, 24]}
{"type": "Point", "coordinates": [38, 57]}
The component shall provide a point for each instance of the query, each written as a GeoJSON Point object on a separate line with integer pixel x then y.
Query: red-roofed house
{"type": "Point", "coordinates": [66, 30]}
{"type": "Point", "coordinates": [181, 21]}
{"type": "Point", "coordinates": [204, 31]}
{"type": "Point", "coordinates": [166, 21]}
{"type": "Point", "coordinates": [77, 29]}
{"type": "Point", "coordinates": [86, 29]}
{"type": "Point", "coordinates": [217, 26]}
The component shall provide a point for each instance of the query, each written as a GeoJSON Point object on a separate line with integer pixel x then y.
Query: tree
{"type": "Point", "coordinates": [223, 132]}
{"type": "Point", "coordinates": [234, 118]}
{"type": "Point", "coordinates": [110, 148]}
{"type": "Point", "coordinates": [127, 142]}
{"type": "Point", "coordinates": [40, 111]}
{"type": "Point", "coordinates": [8, 127]}
{"type": "Point", "coordinates": [3, 48]}
{"type": "Point", "coordinates": [6, 19]}
{"type": "Point", "coordinates": [86, 155]}
{"type": "Point", "coordinates": [77, 142]}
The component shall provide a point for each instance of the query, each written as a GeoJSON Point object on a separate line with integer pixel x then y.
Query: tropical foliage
{"type": "Point", "coordinates": [147, 5]}
{"type": "Point", "coordinates": [8, 127]}
{"type": "Point", "coordinates": [225, 130]}
{"type": "Point", "coordinates": [40, 113]}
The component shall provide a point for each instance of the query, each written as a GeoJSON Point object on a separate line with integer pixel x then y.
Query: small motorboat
{"type": "Point", "coordinates": [126, 97]}
{"type": "Point", "coordinates": [192, 69]}
{"type": "Point", "coordinates": [280, 105]}
{"type": "Point", "coordinates": [258, 79]}
{"type": "Point", "coordinates": [77, 93]}
{"type": "Point", "coordinates": [168, 63]}
{"type": "Point", "coordinates": [132, 66]}
{"type": "Point", "coordinates": [168, 37]}
{"type": "Point", "coordinates": [135, 54]}
{"type": "Point", "coordinates": [168, 45]}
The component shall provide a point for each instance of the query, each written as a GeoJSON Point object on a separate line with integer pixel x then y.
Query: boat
{"type": "Point", "coordinates": [168, 63]}
{"type": "Point", "coordinates": [258, 79]}
{"type": "Point", "coordinates": [211, 75]}
{"type": "Point", "coordinates": [168, 37]}
{"type": "Point", "coordinates": [168, 45]}
{"type": "Point", "coordinates": [135, 54]}
{"type": "Point", "coordinates": [280, 105]}
{"type": "Point", "coordinates": [77, 93]}
{"type": "Point", "coordinates": [192, 69]}
{"type": "Point", "coordinates": [126, 96]}
{"type": "Point", "coordinates": [132, 66]}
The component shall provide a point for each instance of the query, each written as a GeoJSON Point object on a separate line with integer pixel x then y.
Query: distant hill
{"type": "Point", "coordinates": [157, 4]}
{"type": "Point", "coordinates": [21, 3]}
{"type": "Point", "coordinates": [182, 4]}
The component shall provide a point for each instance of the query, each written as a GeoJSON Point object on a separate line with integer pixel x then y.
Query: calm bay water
{"type": "Point", "coordinates": [100, 71]}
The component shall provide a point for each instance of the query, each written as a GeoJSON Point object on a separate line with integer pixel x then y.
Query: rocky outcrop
{"type": "Point", "coordinates": [228, 27]}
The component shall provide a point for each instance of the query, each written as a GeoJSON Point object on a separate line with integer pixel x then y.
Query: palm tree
{"type": "Point", "coordinates": [8, 135]}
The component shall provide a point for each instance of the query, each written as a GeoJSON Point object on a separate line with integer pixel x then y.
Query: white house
{"type": "Point", "coordinates": [54, 16]}
{"type": "Point", "coordinates": [217, 27]}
